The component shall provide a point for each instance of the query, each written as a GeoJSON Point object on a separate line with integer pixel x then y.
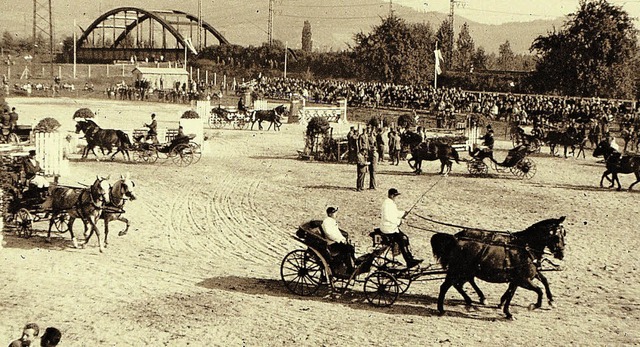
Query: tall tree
{"type": "Point", "coordinates": [394, 51]}
{"type": "Point", "coordinates": [594, 53]}
{"type": "Point", "coordinates": [506, 57]}
{"type": "Point", "coordinates": [464, 49]}
{"type": "Point", "coordinates": [307, 44]}
{"type": "Point", "coordinates": [480, 59]}
{"type": "Point", "coordinates": [7, 40]}
{"type": "Point", "coordinates": [444, 35]}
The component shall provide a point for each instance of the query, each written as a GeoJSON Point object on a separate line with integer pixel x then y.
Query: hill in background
{"type": "Point", "coordinates": [333, 22]}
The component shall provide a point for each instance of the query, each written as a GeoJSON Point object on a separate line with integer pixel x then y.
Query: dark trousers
{"type": "Point", "coordinates": [344, 254]}
{"type": "Point", "coordinates": [402, 240]}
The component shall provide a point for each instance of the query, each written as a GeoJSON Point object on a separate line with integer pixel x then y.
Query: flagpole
{"type": "Point", "coordinates": [435, 69]}
{"type": "Point", "coordinates": [286, 47]}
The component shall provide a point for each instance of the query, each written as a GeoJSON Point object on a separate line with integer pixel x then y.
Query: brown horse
{"type": "Point", "coordinates": [617, 164]}
{"type": "Point", "coordinates": [428, 151]}
{"type": "Point", "coordinates": [103, 138]}
{"type": "Point", "coordinates": [273, 116]}
{"type": "Point", "coordinates": [83, 203]}
{"type": "Point", "coordinates": [120, 192]}
{"type": "Point", "coordinates": [465, 258]}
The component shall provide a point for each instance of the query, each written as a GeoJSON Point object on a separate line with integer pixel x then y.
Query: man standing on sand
{"type": "Point", "coordinates": [373, 167]}
{"type": "Point", "coordinates": [362, 169]}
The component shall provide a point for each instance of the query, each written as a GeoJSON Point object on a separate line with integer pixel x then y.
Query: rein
{"type": "Point", "coordinates": [461, 226]}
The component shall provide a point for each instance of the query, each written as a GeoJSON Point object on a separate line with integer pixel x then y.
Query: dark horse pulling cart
{"type": "Point", "coordinates": [516, 161]}
{"type": "Point", "coordinates": [181, 150]}
{"type": "Point", "coordinates": [514, 258]}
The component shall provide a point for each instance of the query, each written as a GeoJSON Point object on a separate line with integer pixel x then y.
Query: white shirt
{"type": "Point", "coordinates": [331, 231]}
{"type": "Point", "coordinates": [391, 217]}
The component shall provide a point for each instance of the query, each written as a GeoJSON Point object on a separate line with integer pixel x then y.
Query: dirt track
{"type": "Point", "coordinates": [200, 265]}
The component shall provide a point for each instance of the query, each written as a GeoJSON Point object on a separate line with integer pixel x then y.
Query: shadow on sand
{"type": "Point", "coordinates": [407, 304]}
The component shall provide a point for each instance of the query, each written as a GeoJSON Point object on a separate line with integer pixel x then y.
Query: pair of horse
{"type": "Point", "coordinates": [566, 139]}
{"type": "Point", "coordinates": [429, 151]}
{"type": "Point", "coordinates": [104, 139]}
{"type": "Point", "coordinates": [98, 201]}
{"type": "Point", "coordinates": [513, 258]}
{"type": "Point", "coordinates": [273, 116]}
{"type": "Point", "coordinates": [617, 163]}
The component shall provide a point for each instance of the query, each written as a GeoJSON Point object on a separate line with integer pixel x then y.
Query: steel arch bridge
{"type": "Point", "coordinates": [156, 35]}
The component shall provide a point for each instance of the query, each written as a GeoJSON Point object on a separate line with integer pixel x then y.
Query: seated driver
{"type": "Point", "coordinates": [32, 169]}
{"type": "Point", "coordinates": [487, 145]}
{"type": "Point", "coordinates": [391, 219]}
{"type": "Point", "coordinates": [337, 243]}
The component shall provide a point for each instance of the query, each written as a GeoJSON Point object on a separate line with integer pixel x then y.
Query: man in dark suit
{"type": "Point", "coordinates": [362, 169]}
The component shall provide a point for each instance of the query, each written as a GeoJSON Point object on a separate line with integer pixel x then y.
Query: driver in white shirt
{"type": "Point", "coordinates": [337, 243]}
{"type": "Point", "coordinates": [391, 220]}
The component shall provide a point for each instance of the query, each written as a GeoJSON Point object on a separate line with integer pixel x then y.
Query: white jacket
{"type": "Point", "coordinates": [391, 217]}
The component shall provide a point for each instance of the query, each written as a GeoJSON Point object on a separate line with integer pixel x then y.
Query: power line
{"type": "Point", "coordinates": [378, 4]}
{"type": "Point", "coordinates": [313, 17]}
{"type": "Point", "coordinates": [512, 13]}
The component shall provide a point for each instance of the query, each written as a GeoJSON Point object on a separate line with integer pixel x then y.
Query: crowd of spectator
{"type": "Point", "coordinates": [520, 107]}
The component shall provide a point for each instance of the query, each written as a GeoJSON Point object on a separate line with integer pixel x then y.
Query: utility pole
{"type": "Point", "coordinates": [43, 23]}
{"type": "Point", "coordinates": [270, 25]}
{"type": "Point", "coordinates": [452, 5]}
{"type": "Point", "coordinates": [390, 8]}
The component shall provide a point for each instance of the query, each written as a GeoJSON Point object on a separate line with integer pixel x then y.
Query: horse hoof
{"type": "Point", "coordinates": [552, 304]}
{"type": "Point", "coordinates": [440, 313]}
{"type": "Point", "coordinates": [510, 317]}
{"type": "Point", "coordinates": [483, 302]}
{"type": "Point", "coordinates": [48, 240]}
{"type": "Point", "coordinates": [532, 307]}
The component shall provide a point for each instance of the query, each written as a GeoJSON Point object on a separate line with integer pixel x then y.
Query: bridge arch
{"type": "Point", "coordinates": [127, 32]}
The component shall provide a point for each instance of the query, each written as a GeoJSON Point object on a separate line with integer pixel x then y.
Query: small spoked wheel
{"type": "Point", "coordinates": [215, 122]}
{"type": "Point", "coordinates": [196, 150]}
{"type": "Point", "coordinates": [24, 222]}
{"type": "Point", "coordinates": [302, 272]}
{"type": "Point", "coordinates": [381, 289]}
{"type": "Point", "coordinates": [477, 167]}
{"type": "Point", "coordinates": [181, 155]}
{"type": "Point", "coordinates": [525, 169]}
{"type": "Point", "coordinates": [61, 222]}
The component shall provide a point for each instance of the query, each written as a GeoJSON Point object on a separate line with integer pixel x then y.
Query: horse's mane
{"type": "Point", "coordinates": [543, 224]}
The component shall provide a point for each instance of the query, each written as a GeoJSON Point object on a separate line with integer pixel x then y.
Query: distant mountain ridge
{"type": "Point", "coordinates": [333, 22]}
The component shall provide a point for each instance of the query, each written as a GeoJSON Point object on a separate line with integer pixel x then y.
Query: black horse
{"type": "Point", "coordinates": [273, 116]}
{"type": "Point", "coordinates": [617, 164]}
{"type": "Point", "coordinates": [103, 138]}
{"type": "Point", "coordinates": [566, 139]}
{"type": "Point", "coordinates": [515, 262]}
{"type": "Point", "coordinates": [428, 151]}
{"type": "Point", "coordinates": [498, 238]}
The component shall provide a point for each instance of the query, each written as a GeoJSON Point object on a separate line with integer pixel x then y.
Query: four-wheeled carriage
{"type": "Point", "coordinates": [384, 277]}
{"type": "Point", "coordinates": [516, 162]}
{"type": "Point", "coordinates": [182, 151]}
{"type": "Point", "coordinates": [221, 117]}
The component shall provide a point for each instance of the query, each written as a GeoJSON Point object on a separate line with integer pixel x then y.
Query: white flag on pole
{"type": "Point", "coordinates": [438, 60]}
{"type": "Point", "coordinates": [187, 41]}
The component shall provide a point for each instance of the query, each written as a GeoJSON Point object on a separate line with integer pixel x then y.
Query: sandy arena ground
{"type": "Point", "coordinates": [200, 265]}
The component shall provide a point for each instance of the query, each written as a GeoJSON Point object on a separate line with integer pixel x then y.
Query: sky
{"type": "Point", "coordinates": [501, 11]}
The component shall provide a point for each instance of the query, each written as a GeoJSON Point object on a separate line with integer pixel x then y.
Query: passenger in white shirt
{"type": "Point", "coordinates": [391, 220]}
{"type": "Point", "coordinates": [337, 242]}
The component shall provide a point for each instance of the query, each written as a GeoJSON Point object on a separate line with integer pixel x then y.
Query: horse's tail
{"type": "Point", "coordinates": [455, 155]}
{"type": "Point", "coordinates": [124, 138]}
{"type": "Point", "coordinates": [441, 245]}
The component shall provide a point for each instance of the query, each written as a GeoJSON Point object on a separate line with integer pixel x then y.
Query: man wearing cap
{"type": "Point", "coordinates": [32, 169]}
{"type": "Point", "coordinates": [337, 243]}
{"type": "Point", "coordinates": [391, 220]}
{"type": "Point", "coordinates": [152, 134]}
{"type": "Point", "coordinates": [487, 145]}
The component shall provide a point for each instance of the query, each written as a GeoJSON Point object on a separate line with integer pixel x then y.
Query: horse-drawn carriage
{"type": "Point", "coordinates": [503, 257]}
{"type": "Point", "coordinates": [221, 117]}
{"type": "Point", "coordinates": [183, 151]}
{"type": "Point", "coordinates": [23, 202]}
{"type": "Point", "coordinates": [384, 277]}
{"type": "Point", "coordinates": [516, 161]}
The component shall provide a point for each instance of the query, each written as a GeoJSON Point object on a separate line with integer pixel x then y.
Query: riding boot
{"type": "Point", "coordinates": [406, 253]}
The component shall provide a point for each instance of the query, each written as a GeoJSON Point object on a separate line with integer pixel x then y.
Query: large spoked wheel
{"type": "Point", "coordinates": [477, 167]}
{"type": "Point", "coordinates": [181, 155]}
{"type": "Point", "coordinates": [61, 222]}
{"type": "Point", "coordinates": [196, 150]}
{"type": "Point", "coordinates": [525, 169]}
{"type": "Point", "coordinates": [381, 289]}
{"type": "Point", "coordinates": [302, 272]}
{"type": "Point", "coordinates": [24, 222]}
{"type": "Point", "coordinates": [239, 124]}
{"type": "Point", "coordinates": [215, 122]}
